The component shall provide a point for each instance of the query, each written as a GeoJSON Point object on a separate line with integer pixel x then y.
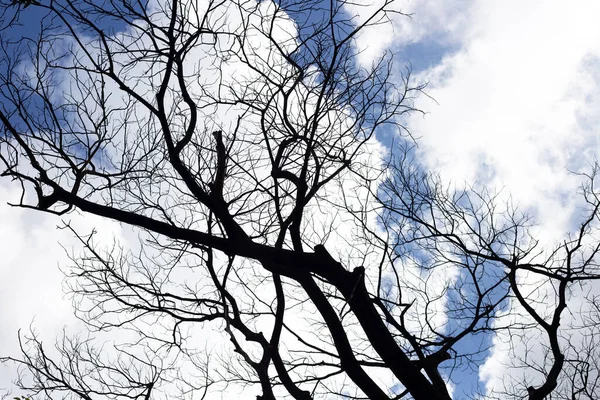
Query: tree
{"type": "Point", "coordinates": [237, 137]}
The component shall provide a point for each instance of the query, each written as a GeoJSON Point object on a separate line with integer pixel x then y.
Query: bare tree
{"type": "Point", "coordinates": [508, 283]}
{"type": "Point", "coordinates": [237, 137]}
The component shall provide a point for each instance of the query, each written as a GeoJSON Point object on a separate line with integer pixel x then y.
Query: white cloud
{"type": "Point", "coordinates": [32, 294]}
{"type": "Point", "coordinates": [436, 21]}
{"type": "Point", "coordinates": [516, 106]}
{"type": "Point", "coordinates": [508, 100]}
{"type": "Point", "coordinates": [31, 283]}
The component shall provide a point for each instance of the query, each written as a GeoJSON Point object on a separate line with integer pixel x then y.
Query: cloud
{"type": "Point", "coordinates": [509, 101]}
{"type": "Point", "coordinates": [516, 106]}
{"type": "Point", "coordinates": [30, 287]}
{"type": "Point", "coordinates": [434, 24]}
{"type": "Point", "coordinates": [32, 292]}
{"type": "Point", "coordinates": [515, 96]}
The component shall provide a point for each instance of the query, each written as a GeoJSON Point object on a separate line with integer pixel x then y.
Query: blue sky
{"type": "Point", "coordinates": [516, 105]}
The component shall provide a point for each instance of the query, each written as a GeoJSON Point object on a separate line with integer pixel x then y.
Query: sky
{"type": "Point", "coordinates": [513, 102]}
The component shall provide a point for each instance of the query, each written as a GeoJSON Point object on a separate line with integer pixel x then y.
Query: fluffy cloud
{"type": "Point", "coordinates": [433, 23]}
{"type": "Point", "coordinates": [32, 293]}
{"type": "Point", "coordinates": [510, 102]}
{"type": "Point", "coordinates": [516, 106]}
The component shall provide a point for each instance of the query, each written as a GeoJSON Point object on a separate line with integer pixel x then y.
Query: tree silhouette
{"type": "Point", "coordinates": [237, 138]}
